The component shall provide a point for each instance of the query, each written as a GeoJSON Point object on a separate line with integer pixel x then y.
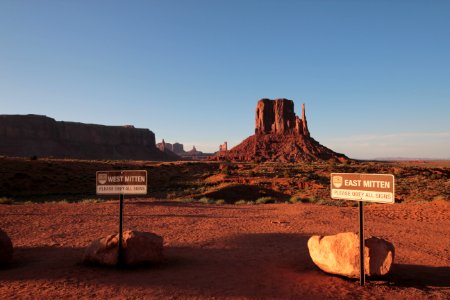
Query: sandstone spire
{"type": "Point", "coordinates": [305, 123]}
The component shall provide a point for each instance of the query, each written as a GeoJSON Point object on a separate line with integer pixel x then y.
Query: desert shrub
{"type": "Point", "coordinates": [313, 199]}
{"type": "Point", "coordinates": [295, 199]}
{"type": "Point", "coordinates": [93, 200]}
{"type": "Point", "coordinates": [320, 201]}
{"type": "Point", "coordinates": [5, 200]}
{"type": "Point", "coordinates": [339, 203]}
{"type": "Point", "coordinates": [250, 202]}
{"type": "Point", "coordinates": [440, 198]}
{"type": "Point", "coordinates": [251, 173]}
{"type": "Point", "coordinates": [206, 200]}
{"type": "Point", "coordinates": [171, 195]}
{"type": "Point", "coordinates": [220, 201]}
{"type": "Point", "coordinates": [265, 200]}
{"type": "Point", "coordinates": [187, 200]}
{"type": "Point", "coordinates": [433, 176]}
{"type": "Point", "coordinates": [63, 201]}
{"type": "Point", "coordinates": [225, 170]}
{"type": "Point", "coordinates": [240, 202]}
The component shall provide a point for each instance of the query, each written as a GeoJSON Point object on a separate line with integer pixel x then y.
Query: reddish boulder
{"type": "Point", "coordinates": [6, 248]}
{"type": "Point", "coordinates": [138, 248]}
{"type": "Point", "coordinates": [339, 254]}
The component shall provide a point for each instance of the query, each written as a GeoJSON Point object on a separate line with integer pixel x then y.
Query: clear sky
{"type": "Point", "coordinates": [375, 75]}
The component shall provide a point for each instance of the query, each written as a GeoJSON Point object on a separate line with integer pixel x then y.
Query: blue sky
{"type": "Point", "coordinates": [375, 75]}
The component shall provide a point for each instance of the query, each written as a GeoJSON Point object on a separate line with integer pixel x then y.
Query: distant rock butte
{"type": "Point", "coordinates": [41, 136]}
{"type": "Point", "coordinates": [280, 135]}
{"type": "Point", "coordinates": [176, 148]}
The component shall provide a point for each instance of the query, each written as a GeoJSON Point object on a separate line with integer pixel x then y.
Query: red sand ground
{"type": "Point", "coordinates": [222, 251]}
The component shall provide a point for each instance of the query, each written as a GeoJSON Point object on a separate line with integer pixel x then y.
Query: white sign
{"type": "Point", "coordinates": [126, 182]}
{"type": "Point", "coordinates": [363, 187]}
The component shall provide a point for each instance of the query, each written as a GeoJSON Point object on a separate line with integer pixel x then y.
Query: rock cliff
{"type": "Point", "coordinates": [34, 135]}
{"type": "Point", "coordinates": [280, 135]}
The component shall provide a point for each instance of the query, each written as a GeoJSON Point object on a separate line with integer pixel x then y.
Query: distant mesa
{"type": "Point", "coordinates": [41, 136]}
{"type": "Point", "coordinates": [223, 147]}
{"type": "Point", "coordinates": [178, 149]}
{"type": "Point", "coordinates": [280, 135]}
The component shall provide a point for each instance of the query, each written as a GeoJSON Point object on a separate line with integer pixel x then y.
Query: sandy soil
{"type": "Point", "coordinates": [221, 251]}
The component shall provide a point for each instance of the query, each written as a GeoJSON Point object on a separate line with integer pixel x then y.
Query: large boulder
{"type": "Point", "coordinates": [339, 254]}
{"type": "Point", "coordinates": [6, 248]}
{"type": "Point", "coordinates": [138, 248]}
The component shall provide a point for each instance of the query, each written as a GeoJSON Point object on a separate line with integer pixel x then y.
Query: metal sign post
{"type": "Point", "coordinates": [120, 257]}
{"type": "Point", "coordinates": [378, 188]}
{"type": "Point", "coordinates": [127, 182]}
{"type": "Point", "coordinates": [362, 276]}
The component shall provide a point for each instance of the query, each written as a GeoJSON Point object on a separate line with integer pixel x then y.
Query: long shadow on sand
{"type": "Point", "coordinates": [406, 275]}
{"type": "Point", "coordinates": [168, 203]}
{"type": "Point", "coordinates": [273, 265]}
{"type": "Point", "coordinates": [239, 266]}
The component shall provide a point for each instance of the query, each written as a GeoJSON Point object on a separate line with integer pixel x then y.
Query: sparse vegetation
{"type": "Point", "coordinates": [240, 202]}
{"type": "Point", "coordinates": [265, 200]}
{"type": "Point", "coordinates": [440, 198]}
{"type": "Point", "coordinates": [187, 200]}
{"type": "Point", "coordinates": [295, 199]}
{"type": "Point", "coordinates": [181, 180]}
{"type": "Point", "coordinates": [206, 200]}
{"type": "Point", "coordinates": [220, 202]}
{"type": "Point", "coordinates": [91, 200]}
{"type": "Point", "coordinates": [225, 170]}
{"type": "Point", "coordinates": [6, 200]}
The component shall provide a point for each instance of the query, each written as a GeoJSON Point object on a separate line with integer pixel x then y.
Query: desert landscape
{"type": "Point", "coordinates": [237, 225]}
{"type": "Point", "coordinates": [224, 149]}
{"type": "Point", "coordinates": [221, 251]}
{"type": "Point", "coordinates": [230, 229]}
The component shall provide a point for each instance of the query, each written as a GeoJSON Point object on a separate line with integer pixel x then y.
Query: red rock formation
{"type": "Point", "coordinates": [280, 135]}
{"type": "Point", "coordinates": [29, 135]}
{"type": "Point", "coordinates": [278, 117]}
{"type": "Point", "coordinates": [223, 147]}
{"type": "Point", "coordinates": [178, 148]}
